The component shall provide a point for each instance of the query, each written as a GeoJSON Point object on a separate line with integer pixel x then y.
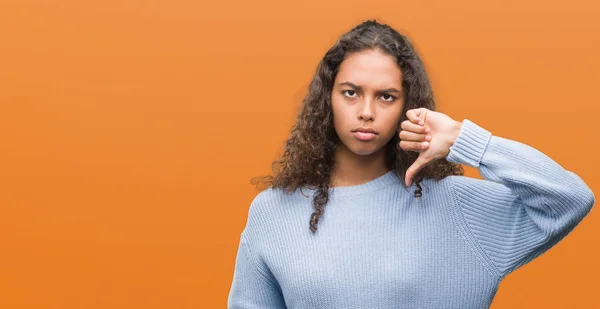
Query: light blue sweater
{"type": "Point", "coordinates": [377, 246]}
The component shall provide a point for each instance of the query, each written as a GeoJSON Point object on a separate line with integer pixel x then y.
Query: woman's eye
{"type": "Point", "coordinates": [347, 91]}
{"type": "Point", "coordinates": [392, 98]}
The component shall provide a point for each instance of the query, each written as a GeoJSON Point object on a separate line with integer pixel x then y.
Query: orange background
{"type": "Point", "coordinates": [129, 132]}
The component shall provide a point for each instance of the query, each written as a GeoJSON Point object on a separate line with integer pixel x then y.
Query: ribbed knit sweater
{"type": "Point", "coordinates": [378, 246]}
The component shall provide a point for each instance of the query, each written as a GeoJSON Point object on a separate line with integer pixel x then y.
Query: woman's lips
{"type": "Point", "coordinates": [364, 136]}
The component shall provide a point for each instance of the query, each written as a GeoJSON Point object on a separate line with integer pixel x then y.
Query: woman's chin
{"type": "Point", "coordinates": [364, 150]}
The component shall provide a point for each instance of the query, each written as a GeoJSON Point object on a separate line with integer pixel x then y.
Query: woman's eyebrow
{"type": "Point", "coordinates": [359, 88]}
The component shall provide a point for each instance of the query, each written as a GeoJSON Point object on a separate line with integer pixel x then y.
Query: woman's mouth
{"type": "Point", "coordinates": [364, 136]}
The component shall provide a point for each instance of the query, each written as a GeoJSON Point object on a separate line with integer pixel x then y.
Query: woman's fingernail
{"type": "Point", "coordinates": [421, 122]}
{"type": "Point", "coordinates": [425, 144]}
{"type": "Point", "coordinates": [428, 137]}
{"type": "Point", "coordinates": [426, 130]}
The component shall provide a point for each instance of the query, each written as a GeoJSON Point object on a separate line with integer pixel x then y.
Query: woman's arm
{"type": "Point", "coordinates": [252, 286]}
{"type": "Point", "coordinates": [525, 205]}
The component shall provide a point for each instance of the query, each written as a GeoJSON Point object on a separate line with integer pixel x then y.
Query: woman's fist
{"type": "Point", "coordinates": [428, 132]}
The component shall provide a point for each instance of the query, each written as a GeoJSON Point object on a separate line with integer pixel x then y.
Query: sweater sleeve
{"type": "Point", "coordinates": [525, 204]}
{"type": "Point", "coordinates": [252, 287]}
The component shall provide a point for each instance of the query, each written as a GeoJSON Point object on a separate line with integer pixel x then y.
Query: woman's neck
{"type": "Point", "coordinates": [352, 169]}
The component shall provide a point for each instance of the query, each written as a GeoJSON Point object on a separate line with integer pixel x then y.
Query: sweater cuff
{"type": "Point", "coordinates": [470, 144]}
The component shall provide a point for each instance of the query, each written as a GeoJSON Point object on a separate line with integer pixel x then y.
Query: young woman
{"type": "Point", "coordinates": [342, 226]}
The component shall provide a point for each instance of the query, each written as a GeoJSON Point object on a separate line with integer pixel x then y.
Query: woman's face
{"type": "Point", "coordinates": [367, 93]}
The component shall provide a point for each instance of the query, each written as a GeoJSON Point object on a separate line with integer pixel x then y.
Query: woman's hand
{"type": "Point", "coordinates": [428, 132]}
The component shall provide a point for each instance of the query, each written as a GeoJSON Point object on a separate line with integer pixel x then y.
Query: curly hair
{"type": "Point", "coordinates": [308, 159]}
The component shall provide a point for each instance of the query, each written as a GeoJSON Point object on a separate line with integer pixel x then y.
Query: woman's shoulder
{"type": "Point", "coordinates": [276, 209]}
{"type": "Point", "coordinates": [271, 199]}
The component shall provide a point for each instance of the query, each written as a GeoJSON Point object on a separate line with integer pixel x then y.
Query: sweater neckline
{"type": "Point", "coordinates": [380, 182]}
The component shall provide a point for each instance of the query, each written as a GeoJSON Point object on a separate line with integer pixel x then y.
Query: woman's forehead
{"type": "Point", "coordinates": [370, 67]}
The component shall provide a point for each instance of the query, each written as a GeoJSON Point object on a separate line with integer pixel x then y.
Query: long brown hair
{"type": "Point", "coordinates": [308, 156]}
